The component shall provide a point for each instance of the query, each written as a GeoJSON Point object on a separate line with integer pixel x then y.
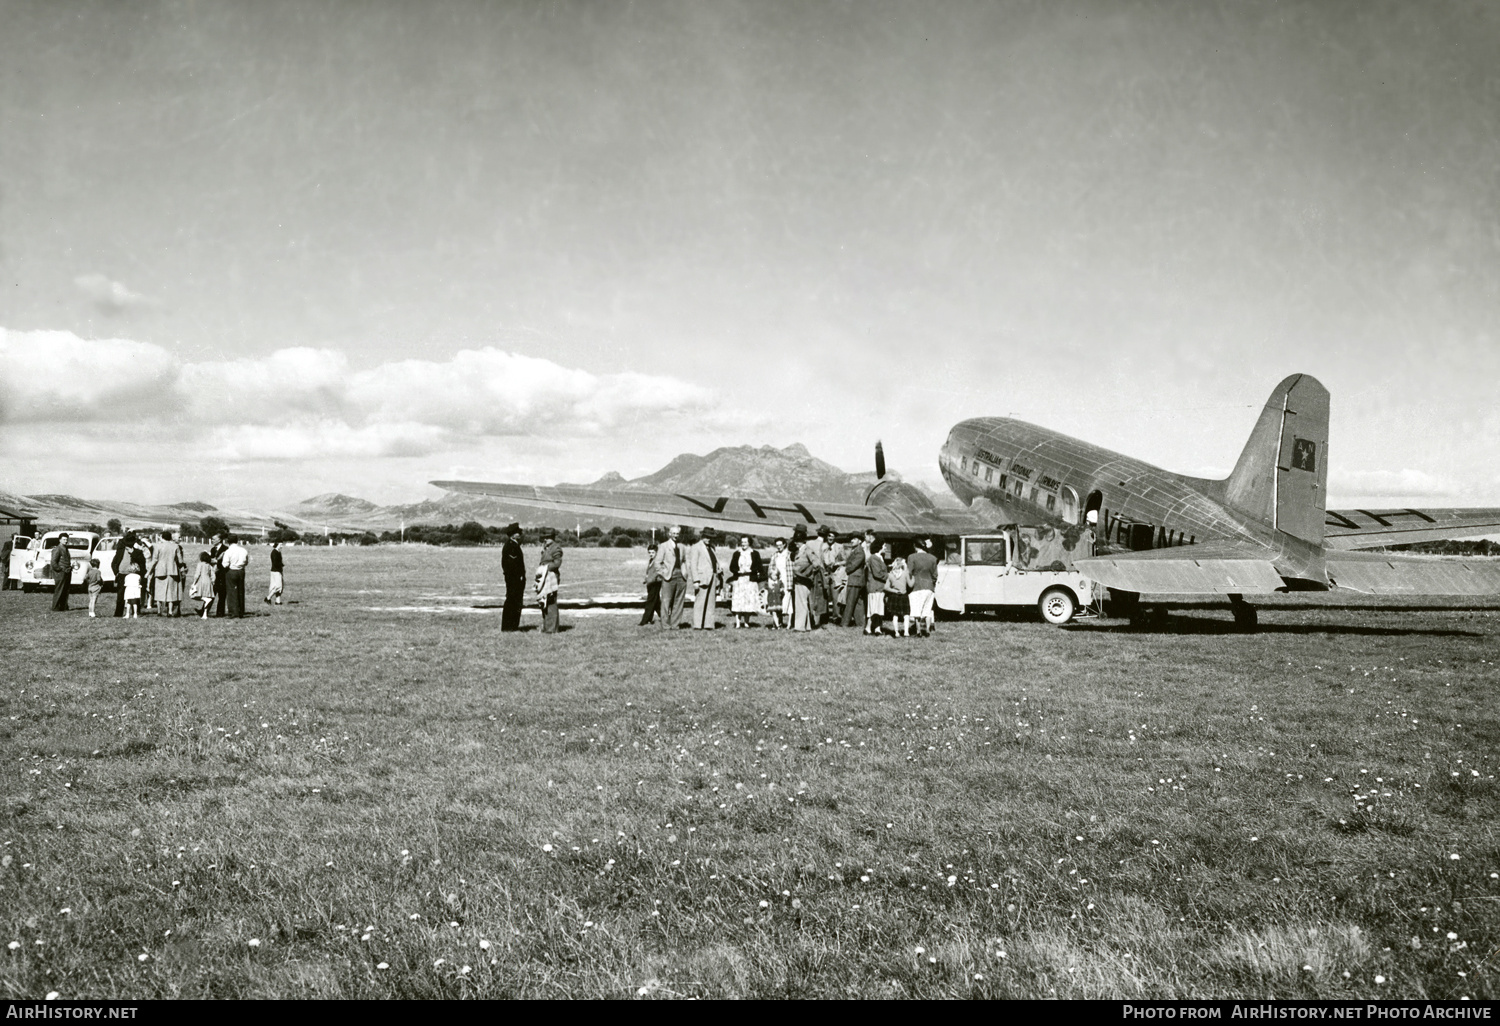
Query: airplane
{"type": "Point", "coordinates": [1264, 529]}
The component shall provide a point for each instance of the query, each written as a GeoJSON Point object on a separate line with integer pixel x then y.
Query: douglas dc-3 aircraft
{"type": "Point", "coordinates": [1263, 529]}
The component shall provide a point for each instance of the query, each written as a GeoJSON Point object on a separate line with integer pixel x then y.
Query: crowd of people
{"type": "Point", "coordinates": [154, 574]}
{"type": "Point", "coordinates": [801, 584]}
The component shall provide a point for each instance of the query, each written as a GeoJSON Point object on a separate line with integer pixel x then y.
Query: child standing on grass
{"type": "Point", "coordinates": [133, 592]}
{"type": "Point", "coordinates": [203, 584]}
{"type": "Point", "coordinates": [95, 580]}
{"type": "Point", "coordinates": [897, 607]}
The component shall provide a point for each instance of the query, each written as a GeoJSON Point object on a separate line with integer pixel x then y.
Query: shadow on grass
{"type": "Point", "coordinates": [1197, 626]}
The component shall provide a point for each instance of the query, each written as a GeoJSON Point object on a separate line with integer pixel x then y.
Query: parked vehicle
{"type": "Point", "coordinates": [33, 566]}
{"type": "Point", "coordinates": [1017, 567]}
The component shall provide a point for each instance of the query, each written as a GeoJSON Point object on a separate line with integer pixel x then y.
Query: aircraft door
{"type": "Point", "coordinates": [986, 566]}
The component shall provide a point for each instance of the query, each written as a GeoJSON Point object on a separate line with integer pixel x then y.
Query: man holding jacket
{"type": "Point", "coordinates": [549, 565]}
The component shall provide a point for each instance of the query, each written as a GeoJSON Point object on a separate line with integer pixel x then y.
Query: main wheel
{"type": "Point", "coordinates": [1057, 605]}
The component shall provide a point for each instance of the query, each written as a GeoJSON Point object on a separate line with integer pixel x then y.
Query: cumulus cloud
{"type": "Point", "coordinates": [57, 376]}
{"type": "Point", "coordinates": [325, 440]}
{"type": "Point", "coordinates": [110, 296]}
{"type": "Point", "coordinates": [303, 402]}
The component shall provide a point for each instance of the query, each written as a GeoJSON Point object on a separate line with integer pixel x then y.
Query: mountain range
{"type": "Point", "coordinates": [792, 472]}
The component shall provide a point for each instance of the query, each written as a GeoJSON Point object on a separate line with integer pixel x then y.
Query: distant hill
{"type": "Point", "coordinates": [792, 472]}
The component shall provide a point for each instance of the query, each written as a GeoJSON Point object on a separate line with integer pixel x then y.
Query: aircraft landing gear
{"type": "Point", "coordinates": [1245, 617]}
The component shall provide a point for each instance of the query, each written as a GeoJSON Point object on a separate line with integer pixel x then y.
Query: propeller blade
{"type": "Point", "coordinates": [879, 462]}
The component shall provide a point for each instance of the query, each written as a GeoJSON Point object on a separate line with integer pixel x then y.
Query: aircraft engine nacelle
{"type": "Point", "coordinates": [899, 496]}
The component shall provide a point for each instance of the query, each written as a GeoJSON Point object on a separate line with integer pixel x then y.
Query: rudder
{"type": "Point", "coordinates": [1281, 478]}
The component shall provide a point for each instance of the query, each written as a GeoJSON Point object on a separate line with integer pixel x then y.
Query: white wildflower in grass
{"type": "Point", "coordinates": [1002, 954]}
{"type": "Point", "coordinates": [142, 957]}
{"type": "Point", "coordinates": [14, 945]}
{"type": "Point", "coordinates": [484, 945]}
{"type": "Point", "coordinates": [546, 847]}
{"type": "Point", "coordinates": [383, 965]}
{"type": "Point", "coordinates": [1453, 857]}
{"type": "Point", "coordinates": [51, 995]}
{"type": "Point", "coordinates": [921, 950]}
{"type": "Point", "coordinates": [765, 904]}
{"type": "Point", "coordinates": [1380, 979]}
{"type": "Point", "coordinates": [979, 976]}
{"type": "Point", "coordinates": [465, 971]}
{"type": "Point", "coordinates": [415, 915]}
{"type": "Point", "coordinates": [1452, 935]}
{"type": "Point", "coordinates": [253, 942]}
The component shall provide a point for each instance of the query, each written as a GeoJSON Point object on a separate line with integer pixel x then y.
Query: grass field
{"type": "Point", "coordinates": [371, 792]}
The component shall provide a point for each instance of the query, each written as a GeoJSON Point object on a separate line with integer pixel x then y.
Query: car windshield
{"type": "Point", "coordinates": [984, 552]}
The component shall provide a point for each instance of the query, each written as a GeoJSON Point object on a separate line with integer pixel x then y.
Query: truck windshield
{"type": "Point", "coordinates": [984, 551]}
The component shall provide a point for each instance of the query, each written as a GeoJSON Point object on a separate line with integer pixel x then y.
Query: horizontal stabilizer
{"type": "Point", "coordinates": [1193, 569]}
{"type": "Point", "coordinates": [1366, 528]}
{"type": "Point", "coordinates": [1372, 574]}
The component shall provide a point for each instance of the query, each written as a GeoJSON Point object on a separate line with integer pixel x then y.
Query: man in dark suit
{"type": "Point", "coordinates": [61, 565]}
{"type": "Point", "coordinates": [221, 579]}
{"type": "Point", "coordinates": [854, 598]}
{"type": "Point", "coordinates": [513, 566]}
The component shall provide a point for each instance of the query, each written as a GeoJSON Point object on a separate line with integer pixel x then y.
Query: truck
{"type": "Point", "coordinates": [1018, 567]}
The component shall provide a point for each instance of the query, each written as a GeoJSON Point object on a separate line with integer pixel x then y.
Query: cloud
{"type": "Point", "coordinates": [491, 392]}
{"type": "Point", "coordinates": [1389, 484]}
{"type": "Point", "coordinates": [57, 376]}
{"type": "Point", "coordinates": [302, 402]}
{"type": "Point", "coordinates": [111, 296]}
{"type": "Point", "coordinates": [325, 440]}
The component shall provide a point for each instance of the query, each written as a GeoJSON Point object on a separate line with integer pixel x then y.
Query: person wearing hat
{"type": "Point", "coordinates": [61, 565]}
{"type": "Point", "coordinates": [549, 578]}
{"type": "Point", "coordinates": [513, 566]}
{"type": "Point", "coordinates": [703, 568]}
{"type": "Point", "coordinates": [817, 553]}
{"type": "Point", "coordinates": [854, 598]}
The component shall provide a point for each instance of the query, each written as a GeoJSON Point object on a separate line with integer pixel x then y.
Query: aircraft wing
{"type": "Point", "coordinates": [1367, 528]}
{"type": "Point", "coordinates": [765, 517]}
{"type": "Point", "coordinates": [1187, 570]}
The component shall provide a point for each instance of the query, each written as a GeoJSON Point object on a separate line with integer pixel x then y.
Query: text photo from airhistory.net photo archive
{"type": "Point", "coordinates": [743, 499]}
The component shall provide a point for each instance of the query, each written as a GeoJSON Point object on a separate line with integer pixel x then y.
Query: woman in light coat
{"type": "Point", "coordinates": [169, 569]}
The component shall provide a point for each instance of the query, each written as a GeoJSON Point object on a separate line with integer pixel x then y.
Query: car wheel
{"type": "Point", "coordinates": [1057, 606]}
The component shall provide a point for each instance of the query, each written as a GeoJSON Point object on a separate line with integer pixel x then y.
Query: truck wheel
{"type": "Point", "coordinates": [1057, 606]}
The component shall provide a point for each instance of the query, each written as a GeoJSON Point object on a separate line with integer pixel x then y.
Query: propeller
{"type": "Point", "coordinates": [879, 462]}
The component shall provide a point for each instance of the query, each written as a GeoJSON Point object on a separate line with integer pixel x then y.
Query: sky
{"type": "Point", "coordinates": [255, 251]}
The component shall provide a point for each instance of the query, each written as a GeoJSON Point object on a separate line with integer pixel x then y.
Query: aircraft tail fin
{"type": "Point", "coordinates": [1282, 474]}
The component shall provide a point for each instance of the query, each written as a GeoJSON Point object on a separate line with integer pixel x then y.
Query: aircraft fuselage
{"type": "Point", "coordinates": [1037, 475]}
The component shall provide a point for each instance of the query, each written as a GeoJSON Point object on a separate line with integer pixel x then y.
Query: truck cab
{"type": "Point", "coordinates": [1017, 567]}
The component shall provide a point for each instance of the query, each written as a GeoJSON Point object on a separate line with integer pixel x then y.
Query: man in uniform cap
{"type": "Point", "coordinates": [549, 565]}
{"type": "Point", "coordinates": [703, 566]}
{"type": "Point", "coordinates": [513, 566]}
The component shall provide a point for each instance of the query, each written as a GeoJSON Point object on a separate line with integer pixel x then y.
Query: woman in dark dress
{"type": "Point", "coordinates": [122, 547]}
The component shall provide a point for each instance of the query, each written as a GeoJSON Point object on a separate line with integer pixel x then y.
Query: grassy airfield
{"type": "Point", "coordinates": [373, 793]}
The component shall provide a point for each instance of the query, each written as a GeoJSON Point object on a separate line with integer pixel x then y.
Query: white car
{"type": "Point", "coordinates": [33, 565]}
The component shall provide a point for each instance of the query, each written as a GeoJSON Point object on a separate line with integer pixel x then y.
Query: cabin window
{"type": "Point", "coordinates": [1051, 502]}
{"type": "Point", "coordinates": [1002, 482]}
{"type": "Point", "coordinates": [984, 551]}
{"type": "Point", "coordinates": [1033, 494]}
{"type": "Point", "coordinates": [1019, 489]}
{"type": "Point", "coordinates": [989, 474]}
{"type": "Point", "coordinates": [963, 462]}
{"type": "Point", "coordinates": [976, 468]}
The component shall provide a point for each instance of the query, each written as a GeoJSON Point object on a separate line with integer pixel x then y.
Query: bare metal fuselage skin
{"type": "Point", "coordinates": [1034, 474]}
